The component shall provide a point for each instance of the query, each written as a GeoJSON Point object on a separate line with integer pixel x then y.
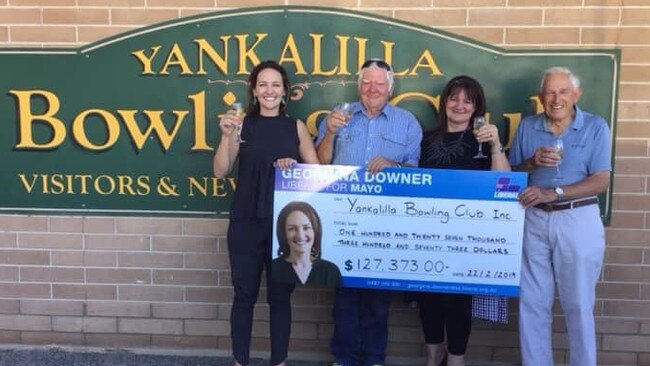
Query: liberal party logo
{"type": "Point", "coordinates": [506, 190]}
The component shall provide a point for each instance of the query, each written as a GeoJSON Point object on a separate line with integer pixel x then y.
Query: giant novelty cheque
{"type": "Point", "coordinates": [455, 231]}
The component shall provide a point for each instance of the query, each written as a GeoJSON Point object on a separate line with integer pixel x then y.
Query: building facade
{"type": "Point", "coordinates": [164, 282]}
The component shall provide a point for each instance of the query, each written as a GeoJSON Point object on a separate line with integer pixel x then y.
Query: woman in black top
{"type": "Point", "coordinates": [453, 146]}
{"type": "Point", "coordinates": [270, 138]}
{"type": "Point", "coordinates": [299, 233]}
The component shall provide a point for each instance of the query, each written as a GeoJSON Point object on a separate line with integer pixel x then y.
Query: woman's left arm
{"type": "Point", "coordinates": [306, 148]}
{"type": "Point", "coordinates": [499, 160]}
{"type": "Point", "coordinates": [490, 134]}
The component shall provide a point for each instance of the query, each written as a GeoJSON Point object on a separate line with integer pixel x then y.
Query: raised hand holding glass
{"type": "Point", "coordinates": [479, 121]}
{"type": "Point", "coordinates": [558, 146]}
{"type": "Point", "coordinates": [239, 112]}
{"type": "Point", "coordinates": [346, 110]}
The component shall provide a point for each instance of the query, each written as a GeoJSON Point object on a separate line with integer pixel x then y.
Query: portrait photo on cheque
{"type": "Point", "coordinates": [299, 232]}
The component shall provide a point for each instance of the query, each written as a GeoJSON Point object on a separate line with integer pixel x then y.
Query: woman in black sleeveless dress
{"type": "Point", "coordinates": [270, 138]}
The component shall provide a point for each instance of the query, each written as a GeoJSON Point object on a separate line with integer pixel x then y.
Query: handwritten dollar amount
{"type": "Point", "coordinates": [395, 265]}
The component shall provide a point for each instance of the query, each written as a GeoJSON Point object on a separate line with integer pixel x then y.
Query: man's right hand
{"type": "Point", "coordinates": [335, 120]}
{"type": "Point", "coordinates": [546, 156]}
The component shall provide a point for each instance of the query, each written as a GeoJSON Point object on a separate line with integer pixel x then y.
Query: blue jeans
{"type": "Point", "coordinates": [360, 326]}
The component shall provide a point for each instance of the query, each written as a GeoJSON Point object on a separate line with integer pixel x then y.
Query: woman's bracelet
{"type": "Point", "coordinates": [499, 150]}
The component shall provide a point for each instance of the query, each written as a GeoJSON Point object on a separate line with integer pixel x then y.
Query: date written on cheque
{"type": "Point", "coordinates": [484, 273]}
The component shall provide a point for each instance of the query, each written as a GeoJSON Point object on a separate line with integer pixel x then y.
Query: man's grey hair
{"type": "Point", "coordinates": [575, 80]}
{"type": "Point", "coordinates": [389, 74]}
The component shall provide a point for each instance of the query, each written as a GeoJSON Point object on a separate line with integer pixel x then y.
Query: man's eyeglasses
{"type": "Point", "coordinates": [376, 62]}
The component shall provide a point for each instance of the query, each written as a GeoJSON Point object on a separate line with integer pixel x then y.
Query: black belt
{"type": "Point", "coordinates": [567, 205]}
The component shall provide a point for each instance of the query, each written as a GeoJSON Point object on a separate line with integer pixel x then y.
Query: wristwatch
{"type": "Point", "coordinates": [500, 150]}
{"type": "Point", "coordinates": [560, 192]}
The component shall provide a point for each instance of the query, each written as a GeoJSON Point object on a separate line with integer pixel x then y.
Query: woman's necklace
{"type": "Point", "coordinates": [441, 153]}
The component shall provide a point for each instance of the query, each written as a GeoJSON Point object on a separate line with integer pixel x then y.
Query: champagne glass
{"type": "Point", "coordinates": [346, 110]}
{"type": "Point", "coordinates": [479, 121]}
{"type": "Point", "coordinates": [558, 146]}
{"type": "Point", "coordinates": [239, 112]}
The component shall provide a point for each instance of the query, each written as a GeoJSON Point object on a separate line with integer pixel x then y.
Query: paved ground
{"type": "Point", "coordinates": [58, 357]}
{"type": "Point", "coordinates": [55, 356]}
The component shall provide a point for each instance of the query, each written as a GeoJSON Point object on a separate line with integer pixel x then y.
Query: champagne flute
{"type": "Point", "coordinates": [346, 110]}
{"type": "Point", "coordinates": [558, 146]}
{"type": "Point", "coordinates": [239, 112]}
{"type": "Point", "coordinates": [479, 121]}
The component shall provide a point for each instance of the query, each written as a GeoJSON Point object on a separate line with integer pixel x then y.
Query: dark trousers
{"type": "Point", "coordinates": [360, 326]}
{"type": "Point", "coordinates": [446, 311]}
{"type": "Point", "coordinates": [249, 247]}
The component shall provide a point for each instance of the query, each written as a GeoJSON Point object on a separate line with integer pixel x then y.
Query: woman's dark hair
{"type": "Point", "coordinates": [253, 106]}
{"type": "Point", "coordinates": [281, 233]}
{"type": "Point", "coordinates": [473, 91]}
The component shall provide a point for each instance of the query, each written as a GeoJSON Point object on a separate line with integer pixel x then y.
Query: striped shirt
{"type": "Point", "coordinates": [394, 133]}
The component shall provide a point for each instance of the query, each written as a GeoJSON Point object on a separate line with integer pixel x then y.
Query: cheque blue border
{"type": "Point", "coordinates": [431, 286]}
{"type": "Point", "coordinates": [403, 182]}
